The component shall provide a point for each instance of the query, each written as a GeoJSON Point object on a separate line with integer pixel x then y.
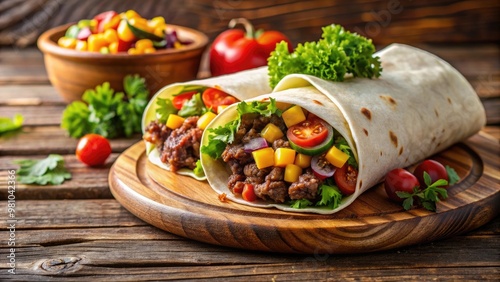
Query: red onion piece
{"type": "Point", "coordinates": [255, 144]}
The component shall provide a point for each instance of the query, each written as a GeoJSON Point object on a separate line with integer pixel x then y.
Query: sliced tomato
{"type": "Point", "coordinates": [180, 99]}
{"type": "Point", "coordinates": [213, 98]}
{"type": "Point", "coordinates": [346, 177]}
{"type": "Point", "coordinates": [310, 137]}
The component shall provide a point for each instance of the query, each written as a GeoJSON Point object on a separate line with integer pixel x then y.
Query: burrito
{"type": "Point", "coordinates": [174, 119]}
{"type": "Point", "coordinates": [419, 106]}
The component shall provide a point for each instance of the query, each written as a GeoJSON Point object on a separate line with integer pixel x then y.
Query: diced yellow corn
{"type": "Point", "coordinates": [67, 42]}
{"type": "Point", "coordinates": [159, 31]}
{"type": "Point", "coordinates": [284, 156]}
{"type": "Point", "coordinates": [271, 132]}
{"type": "Point", "coordinates": [81, 45]}
{"type": "Point", "coordinates": [157, 22]}
{"type": "Point", "coordinates": [205, 119]}
{"type": "Point", "coordinates": [149, 50]}
{"type": "Point", "coordinates": [293, 116]}
{"type": "Point", "coordinates": [110, 35]}
{"type": "Point", "coordinates": [304, 161]}
{"type": "Point", "coordinates": [142, 44]}
{"type": "Point", "coordinates": [336, 157]}
{"type": "Point", "coordinates": [132, 51]}
{"type": "Point", "coordinates": [131, 14]}
{"type": "Point", "coordinates": [174, 121]}
{"type": "Point", "coordinates": [292, 173]}
{"type": "Point", "coordinates": [263, 157]}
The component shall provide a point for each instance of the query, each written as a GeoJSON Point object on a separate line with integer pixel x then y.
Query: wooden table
{"type": "Point", "coordinates": [78, 231]}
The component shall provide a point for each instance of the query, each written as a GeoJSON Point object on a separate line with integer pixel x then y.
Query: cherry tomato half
{"type": "Point", "coordinates": [345, 178]}
{"type": "Point", "coordinates": [213, 98]}
{"type": "Point", "coordinates": [180, 99]}
{"type": "Point", "coordinates": [93, 149]}
{"type": "Point", "coordinates": [435, 170]}
{"type": "Point", "coordinates": [308, 133]}
{"type": "Point", "coordinates": [399, 180]}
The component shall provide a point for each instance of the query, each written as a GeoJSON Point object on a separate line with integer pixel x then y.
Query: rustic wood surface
{"type": "Point", "coordinates": [78, 232]}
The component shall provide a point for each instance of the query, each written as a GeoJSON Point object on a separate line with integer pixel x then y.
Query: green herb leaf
{"type": "Point", "coordinates": [7, 124]}
{"type": "Point", "coordinates": [108, 113]}
{"type": "Point", "coordinates": [300, 204]}
{"type": "Point", "coordinates": [336, 54]}
{"type": "Point", "coordinates": [193, 107]}
{"type": "Point", "coordinates": [427, 197]}
{"type": "Point", "coordinates": [198, 170]}
{"type": "Point", "coordinates": [453, 177]}
{"type": "Point", "coordinates": [165, 108]}
{"type": "Point", "coordinates": [267, 108]}
{"type": "Point", "coordinates": [50, 170]}
{"type": "Point", "coordinates": [330, 196]}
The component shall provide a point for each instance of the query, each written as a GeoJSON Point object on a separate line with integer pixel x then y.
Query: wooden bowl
{"type": "Point", "coordinates": [72, 72]}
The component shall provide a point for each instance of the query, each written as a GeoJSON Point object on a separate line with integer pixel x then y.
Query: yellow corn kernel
{"type": "Point", "coordinates": [149, 50]}
{"type": "Point", "coordinates": [141, 24]}
{"type": "Point", "coordinates": [133, 51]}
{"type": "Point", "coordinates": [131, 14]}
{"type": "Point", "coordinates": [292, 173]}
{"type": "Point", "coordinates": [67, 42]}
{"type": "Point", "coordinates": [157, 22]}
{"type": "Point", "coordinates": [293, 116]}
{"type": "Point", "coordinates": [336, 157]}
{"type": "Point", "coordinates": [81, 45]}
{"type": "Point", "coordinates": [174, 121]}
{"type": "Point", "coordinates": [159, 31]}
{"type": "Point", "coordinates": [95, 42]}
{"type": "Point", "coordinates": [304, 161]}
{"type": "Point", "coordinates": [124, 32]}
{"type": "Point", "coordinates": [284, 156]}
{"type": "Point", "coordinates": [271, 132]}
{"type": "Point", "coordinates": [104, 50]}
{"type": "Point", "coordinates": [143, 44]}
{"type": "Point", "coordinates": [113, 47]}
{"type": "Point", "coordinates": [205, 119]}
{"type": "Point", "coordinates": [177, 45]}
{"type": "Point", "coordinates": [263, 157]}
{"type": "Point", "coordinates": [110, 35]}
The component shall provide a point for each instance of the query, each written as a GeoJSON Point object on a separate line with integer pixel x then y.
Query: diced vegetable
{"type": "Point", "coordinates": [255, 144]}
{"type": "Point", "coordinates": [271, 133]}
{"type": "Point", "coordinates": [205, 119]}
{"type": "Point", "coordinates": [321, 167]}
{"type": "Point", "coordinates": [95, 42]}
{"type": "Point", "coordinates": [67, 42]}
{"type": "Point", "coordinates": [174, 121]}
{"type": "Point", "coordinates": [248, 193]}
{"type": "Point", "coordinates": [314, 150]}
{"type": "Point", "coordinates": [292, 173]}
{"type": "Point", "coordinates": [124, 32]}
{"type": "Point", "coordinates": [284, 156]}
{"type": "Point", "coordinates": [293, 115]}
{"type": "Point", "coordinates": [336, 157]}
{"type": "Point", "coordinates": [264, 157]}
{"type": "Point", "coordinates": [303, 161]}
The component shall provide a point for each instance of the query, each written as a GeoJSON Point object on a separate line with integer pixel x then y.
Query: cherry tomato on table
{"type": "Point", "coordinates": [345, 178]}
{"type": "Point", "coordinates": [213, 98]}
{"type": "Point", "coordinates": [399, 180]}
{"type": "Point", "coordinates": [435, 170]}
{"type": "Point", "coordinates": [93, 149]}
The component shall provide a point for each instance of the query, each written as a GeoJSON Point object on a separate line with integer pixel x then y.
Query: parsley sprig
{"type": "Point", "coordinates": [427, 197]}
{"type": "Point", "coordinates": [50, 170]}
{"type": "Point", "coordinates": [337, 53]}
{"type": "Point", "coordinates": [107, 113]}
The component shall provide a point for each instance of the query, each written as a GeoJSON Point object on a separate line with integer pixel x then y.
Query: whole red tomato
{"type": "Point", "coordinates": [435, 170]}
{"type": "Point", "coordinates": [236, 50]}
{"type": "Point", "coordinates": [399, 180]}
{"type": "Point", "coordinates": [93, 149]}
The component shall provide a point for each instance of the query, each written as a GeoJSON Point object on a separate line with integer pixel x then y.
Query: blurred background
{"type": "Point", "coordinates": [385, 21]}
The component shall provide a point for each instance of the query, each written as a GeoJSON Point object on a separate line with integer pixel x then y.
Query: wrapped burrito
{"type": "Point", "coordinates": [176, 115]}
{"type": "Point", "coordinates": [419, 106]}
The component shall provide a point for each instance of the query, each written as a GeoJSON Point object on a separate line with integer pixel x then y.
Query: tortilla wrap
{"type": "Point", "coordinates": [419, 106]}
{"type": "Point", "coordinates": [242, 85]}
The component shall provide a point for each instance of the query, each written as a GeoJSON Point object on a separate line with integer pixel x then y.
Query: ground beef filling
{"type": "Point", "coordinates": [179, 148]}
{"type": "Point", "coordinates": [268, 182]}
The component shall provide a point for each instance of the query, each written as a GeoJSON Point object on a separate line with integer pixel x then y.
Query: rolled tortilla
{"type": "Point", "coordinates": [419, 106]}
{"type": "Point", "coordinates": [242, 85]}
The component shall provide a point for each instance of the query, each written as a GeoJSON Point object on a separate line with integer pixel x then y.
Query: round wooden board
{"type": "Point", "coordinates": [189, 208]}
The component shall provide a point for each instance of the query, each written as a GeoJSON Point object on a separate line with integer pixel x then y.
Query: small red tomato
{"type": "Point", "coordinates": [435, 170]}
{"type": "Point", "coordinates": [93, 149]}
{"type": "Point", "coordinates": [179, 100]}
{"type": "Point", "coordinates": [248, 193]}
{"type": "Point", "coordinates": [346, 178]}
{"type": "Point", "coordinates": [213, 98]}
{"type": "Point", "coordinates": [399, 180]}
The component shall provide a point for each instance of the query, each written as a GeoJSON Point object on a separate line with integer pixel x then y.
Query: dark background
{"type": "Point", "coordinates": [385, 21]}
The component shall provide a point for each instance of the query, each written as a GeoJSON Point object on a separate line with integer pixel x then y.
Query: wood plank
{"type": "Point", "coordinates": [99, 238]}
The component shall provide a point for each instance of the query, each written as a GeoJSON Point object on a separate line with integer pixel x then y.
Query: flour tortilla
{"type": "Point", "coordinates": [419, 106]}
{"type": "Point", "coordinates": [242, 85]}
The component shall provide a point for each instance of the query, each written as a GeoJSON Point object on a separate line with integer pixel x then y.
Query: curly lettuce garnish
{"type": "Point", "coordinates": [337, 53]}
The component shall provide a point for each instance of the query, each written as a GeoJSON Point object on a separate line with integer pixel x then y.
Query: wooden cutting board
{"type": "Point", "coordinates": [189, 208]}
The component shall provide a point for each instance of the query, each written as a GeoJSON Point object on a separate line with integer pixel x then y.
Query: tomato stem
{"type": "Point", "coordinates": [249, 29]}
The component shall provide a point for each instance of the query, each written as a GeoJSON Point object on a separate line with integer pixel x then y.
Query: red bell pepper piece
{"type": "Point", "coordinates": [236, 50]}
{"type": "Point", "coordinates": [104, 19]}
